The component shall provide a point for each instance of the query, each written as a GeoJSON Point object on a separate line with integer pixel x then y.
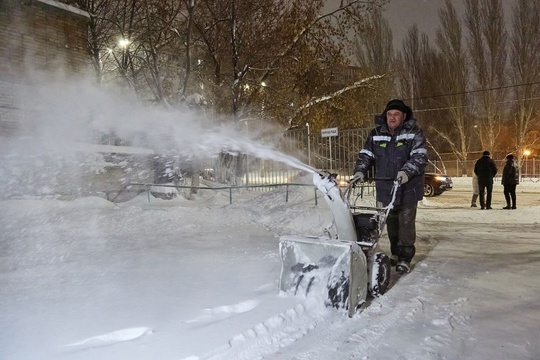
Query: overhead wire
{"type": "Point", "coordinates": [472, 92]}
{"type": "Point", "coordinates": [475, 91]}
{"type": "Point", "coordinates": [468, 106]}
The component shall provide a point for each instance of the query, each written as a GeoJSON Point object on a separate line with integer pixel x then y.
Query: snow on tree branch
{"type": "Point", "coordinates": [358, 84]}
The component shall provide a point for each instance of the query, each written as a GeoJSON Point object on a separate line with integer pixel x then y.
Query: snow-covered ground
{"type": "Point", "coordinates": [198, 279]}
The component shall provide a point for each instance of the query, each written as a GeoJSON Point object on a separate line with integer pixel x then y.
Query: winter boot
{"type": "Point", "coordinates": [403, 267]}
{"type": "Point", "coordinates": [473, 201]}
{"type": "Point", "coordinates": [507, 207]}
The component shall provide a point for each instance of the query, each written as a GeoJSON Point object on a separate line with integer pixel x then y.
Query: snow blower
{"type": "Point", "coordinates": [345, 267]}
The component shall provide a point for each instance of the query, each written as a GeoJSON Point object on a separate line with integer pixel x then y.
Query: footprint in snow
{"type": "Point", "coordinates": [223, 312]}
{"type": "Point", "coordinates": [111, 338]}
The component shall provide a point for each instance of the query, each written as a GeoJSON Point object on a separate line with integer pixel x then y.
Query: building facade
{"type": "Point", "coordinates": [36, 36]}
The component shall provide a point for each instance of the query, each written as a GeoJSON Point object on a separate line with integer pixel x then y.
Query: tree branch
{"type": "Point", "coordinates": [358, 84]}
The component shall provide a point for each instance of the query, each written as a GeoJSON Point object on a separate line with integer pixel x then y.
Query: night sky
{"type": "Point", "coordinates": [401, 14]}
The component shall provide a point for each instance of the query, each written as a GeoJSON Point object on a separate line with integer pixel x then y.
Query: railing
{"type": "Point", "coordinates": [362, 190]}
{"type": "Point", "coordinates": [529, 170]}
{"type": "Point", "coordinates": [148, 188]}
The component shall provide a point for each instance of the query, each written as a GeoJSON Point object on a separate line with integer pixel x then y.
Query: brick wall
{"type": "Point", "coordinates": [36, 36]}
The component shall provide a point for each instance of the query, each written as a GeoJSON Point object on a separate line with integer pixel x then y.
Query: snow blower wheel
{"type": "Point", "coordinates": [379, 277]}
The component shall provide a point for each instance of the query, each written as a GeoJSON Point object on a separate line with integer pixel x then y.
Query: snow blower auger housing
{"type": "Point", "coordinates": [345, 268]}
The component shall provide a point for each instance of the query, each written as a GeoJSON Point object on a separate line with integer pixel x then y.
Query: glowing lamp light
{"type": "Point", "coordinates": [123, 43]}
{"type": "Point", "coordinates": [526, 153]}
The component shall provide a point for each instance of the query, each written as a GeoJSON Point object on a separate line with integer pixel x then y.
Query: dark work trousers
{"type": "Point", "coordinates": [510, 193]}
{"type": "Point", "coordinates": [401, 227]}
{"type": "Point", "coordinates": [485, 194]}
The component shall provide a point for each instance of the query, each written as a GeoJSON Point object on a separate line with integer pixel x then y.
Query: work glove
{"type": "Point", "coordinates": [358, 177]}
{"type": "Point", "coordinates": [402, 177]}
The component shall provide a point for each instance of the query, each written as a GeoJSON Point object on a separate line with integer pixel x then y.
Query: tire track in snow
{"type": "Point", "coordinates": [282, 336]}
{"type": "Point", "coordinates": [296, 334]}
{"type": "Point", "coordinates": [267, 337]}
{"type": "Point", "coordinates": [358, 336]}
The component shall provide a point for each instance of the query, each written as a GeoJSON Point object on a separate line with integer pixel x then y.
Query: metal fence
{"type": "Point", "coordinates": [530, 168]}
{"type": "Point", "coordinates": [336, 154]}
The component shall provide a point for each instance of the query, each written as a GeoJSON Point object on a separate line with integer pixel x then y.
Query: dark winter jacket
{"type": "Point", "coordinates": [485, 169]}
{"type": "Point", "coordinates": [510, 174]}
{"type": "Point", "coordinates": [405, 150]}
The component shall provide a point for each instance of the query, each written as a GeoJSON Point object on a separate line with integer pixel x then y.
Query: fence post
{"type": "Point", "coordinates": [230, 195]}
{"type": "Point", "coordinates": [287, 193]}
{"type": "Point", "coordinates": [315, 189]}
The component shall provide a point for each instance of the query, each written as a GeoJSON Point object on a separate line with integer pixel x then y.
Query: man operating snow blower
{"type": "Point", "coordinates": [396, 148]}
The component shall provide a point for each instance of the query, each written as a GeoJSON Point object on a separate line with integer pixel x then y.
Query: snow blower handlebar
{"type": "Point", "coordinates": [386, 210]}
{"type": "Point", "coordinates": [390, 206]}
{"type": "Point", "coordinates": [352, 185]}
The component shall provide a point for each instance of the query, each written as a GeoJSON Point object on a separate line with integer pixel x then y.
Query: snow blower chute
{"type": "Point", "coordinates": [345, 268]}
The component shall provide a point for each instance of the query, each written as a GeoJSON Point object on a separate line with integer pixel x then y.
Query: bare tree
{"type": "Point", "coordinates": [190, 7]}
{"type": "Point", "coordinates": [374, 53]}
{"type": "Point", "coordinates": [525, 47]}
{"type": "Point", "coordinates": [450, 76]}
{"type": "Point", "coordinates": [411, 62]}
{"type": "Point", "coordinates": [420, 67]}
{"type": "Point", "coordinates": [157, 48]}
{"type": "Point", "coordinates": [487, 43]}
{"type": "Point", "coordinates": [102, 31]}
{"type": "Point", "coordinates": [122, 60]}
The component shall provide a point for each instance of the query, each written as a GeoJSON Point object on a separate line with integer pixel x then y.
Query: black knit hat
{"type": "Point", "coordinates": [509, 157]}
{"type": "Point", "coordinates": [397, 104]}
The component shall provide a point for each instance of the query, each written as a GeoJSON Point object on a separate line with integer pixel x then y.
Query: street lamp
{"type": "Point", "coordinates": [526, 153]}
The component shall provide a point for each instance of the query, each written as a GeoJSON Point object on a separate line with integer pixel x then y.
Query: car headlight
{"type": "Point", "coordinates": [440, 178]}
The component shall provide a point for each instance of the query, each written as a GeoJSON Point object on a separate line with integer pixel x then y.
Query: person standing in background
{"type": "Point", "coordinates": [486, 170]}
{"type": "Point", "coordinates": [474, 190]}
{"type": "Point", "coordinates": [509, 181]}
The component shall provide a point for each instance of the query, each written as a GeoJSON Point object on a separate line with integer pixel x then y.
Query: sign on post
{"type": "Point", "coordinates": [328, 132]}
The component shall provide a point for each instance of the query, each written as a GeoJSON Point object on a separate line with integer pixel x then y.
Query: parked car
{"type": "Point", "coordinates": [436, 184]}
